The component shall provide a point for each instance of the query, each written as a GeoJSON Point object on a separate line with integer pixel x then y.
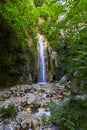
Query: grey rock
{"type": "Point", "coordinates": [7, 127]}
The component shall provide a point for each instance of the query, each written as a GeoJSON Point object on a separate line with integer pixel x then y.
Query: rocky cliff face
{"type": "Point", "coordinates": [52, 63]}
{"type": "Point", "coordinates": [17, 59]}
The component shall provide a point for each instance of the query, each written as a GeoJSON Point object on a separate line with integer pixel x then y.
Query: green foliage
{"type": "Point", "coordinates": [43, 12]}
{"type": "Point", "coordinates": [70, 116]}
{"type": "Point", "coordinates": [18, 21]}
{"type": "Point", "coordinates": [46, 120]}
{"type": "Point", "coordinates": [9, 111]}
{"type": "Point", "coordinates": [20, 14]}
{"type": "Point", "coordinates": [13, 56]}
{"type": "Point", "coordinates": [64, 26]}
{"type": "Point", "coordinates": [67, 36]}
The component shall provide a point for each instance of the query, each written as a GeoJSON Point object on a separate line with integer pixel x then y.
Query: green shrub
{"type": "Point", "coordinates": [9, 111]}
{"type": "Point", "coordinates": [71, 116]}
{"type": "Point", "coordinates": [46, 120]}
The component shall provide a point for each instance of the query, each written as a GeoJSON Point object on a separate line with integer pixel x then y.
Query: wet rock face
{"type": "Point", "coordinates": [51, 63]}
{"type": "Point", "coordinates": [32, 102]}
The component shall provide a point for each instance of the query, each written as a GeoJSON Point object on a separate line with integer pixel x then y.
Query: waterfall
{"type": "Point", "coordinates": [41, 61]}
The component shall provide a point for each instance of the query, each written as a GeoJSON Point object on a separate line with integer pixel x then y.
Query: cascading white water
{"type": "Point", "coordinates": [41, 61]}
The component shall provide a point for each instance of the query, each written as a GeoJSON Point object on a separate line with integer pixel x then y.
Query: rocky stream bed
{"type": "Point", "coordinates": [32, 103]}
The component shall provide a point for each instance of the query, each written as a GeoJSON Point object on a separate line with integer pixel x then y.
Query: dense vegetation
{"type": "Point", "coordinates": [71, 116]}
{"type": "Point", "coordinates": [16, 28]}
{"type": "Point", "coordinates": [65, 27]}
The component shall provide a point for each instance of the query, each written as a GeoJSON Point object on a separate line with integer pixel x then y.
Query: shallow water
{"type": "Point", "coordinates": [42, 111]}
